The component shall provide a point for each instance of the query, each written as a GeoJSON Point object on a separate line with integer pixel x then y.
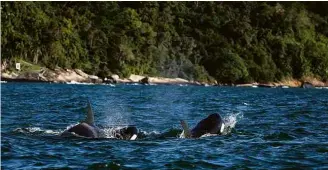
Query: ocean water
{"type": "Point", "coordinates": [265, 128]}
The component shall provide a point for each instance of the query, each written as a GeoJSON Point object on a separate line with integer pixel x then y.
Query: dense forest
{"type": "Point", "coordinates": [231, 42]}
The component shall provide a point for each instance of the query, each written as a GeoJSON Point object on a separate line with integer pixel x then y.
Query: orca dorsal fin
{"type": "Point", "coordinates": [186, 131]}
{"type": "Point", "coordinates": [90, 117]}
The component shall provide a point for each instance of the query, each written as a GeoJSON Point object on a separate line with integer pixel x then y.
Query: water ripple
{"type": "Point", "coordinates": [266, 128]}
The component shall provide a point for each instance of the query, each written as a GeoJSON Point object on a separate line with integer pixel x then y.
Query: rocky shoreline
{"type": "Point", "coordinates": [72, 76]}
{"type": "Point", "coordinates": [76, 76]}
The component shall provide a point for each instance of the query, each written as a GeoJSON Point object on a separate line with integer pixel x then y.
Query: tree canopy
{"type": "Point", "coordinates": [231, 42]}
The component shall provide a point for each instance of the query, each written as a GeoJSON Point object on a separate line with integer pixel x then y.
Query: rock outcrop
{"type": "Point", "coordinates": [135, 78]}
{"type": "Point", "coordinates": [145, 80]}
{"type": "Point", "coordinates": [58, 75]}
{"type": "Point", "coordinates": [113, 79]}
{"type": "Point", "coordinates": [307, 85]}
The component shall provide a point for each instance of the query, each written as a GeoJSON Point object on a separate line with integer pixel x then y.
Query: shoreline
{"type": "Point", "coordinates": [251, 85]}
{"type": "Point", "coordinates": [76, 76]}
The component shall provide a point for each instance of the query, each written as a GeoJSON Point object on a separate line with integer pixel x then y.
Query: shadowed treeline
{"type": "Point", "coordinates": [231, 42]}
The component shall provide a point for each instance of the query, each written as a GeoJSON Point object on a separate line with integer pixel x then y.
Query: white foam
{"type": "Point", "coordinates": [151, 84]}
{"type": "Point", "coordinates": [79, 83]}
{"type": "Point", "coordinates": [150, 133]}
{"type": "Point", "coordinates": [208, 135]}
{"type": "Point", "coordinates": [112, 85]}
{"type": "Point", "coordinates": [36, 130]}
{"type": "Point", "coordinates": [52, 132]}
{"type": "Point", "coordinates": [110, 133]}
{"type": "Point", "coordinates": [182, 85]}
{"type": "Point", "coordinates": [134, 84]}
{"type": "Point", "coordinates": [28, 130]}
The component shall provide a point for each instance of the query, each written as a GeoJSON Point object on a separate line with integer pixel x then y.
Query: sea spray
{"type": "Point", "coordinates": [110, 132]}
{"type": "Point", "coordinates": [231, 120]}
{"type": "Point", "coordinates": [115, 113]}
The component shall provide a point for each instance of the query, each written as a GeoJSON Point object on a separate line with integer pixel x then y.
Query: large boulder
{"type": "Point", "coordinates": [145, 80]}
{"type": "Point", "coordinates": [69, 75]}
{"type": "Point", "coordinates": [162, 80]}
{"type": "Point", "coordinates": [112, 79]}
{"type": "Point", "coordinates": [115, 77]}
{"type": "Point", "coordinates": [95, 79]}
{"type": "Point", "coordinates": [65, 75]}
{"type": "Point", "coordinates": [307, 85]}
{"type": "Point", "coordinates": [135, 78]}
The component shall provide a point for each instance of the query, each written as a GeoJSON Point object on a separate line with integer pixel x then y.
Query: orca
{"type": "Point", "coordinates": [213, 124]}
{"type": "Point", "coordinates": [129, 132]}
{"type": "Point", "coordinates": [88, 129]}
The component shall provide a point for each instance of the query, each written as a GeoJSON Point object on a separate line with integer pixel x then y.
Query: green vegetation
{"type": "Point", "coordinates": [232, 42]}
{"type": "Point", "coordinates": [28, 67]}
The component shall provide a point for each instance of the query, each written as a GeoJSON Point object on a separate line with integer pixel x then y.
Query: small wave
{"type": "Point", "coordinates": [280, 136]}
{"type": "Point", "coordinates": [145, 133]}
{"type": "Point", "coordinates": [151, 84]}
{"type": "Point", "coordinates": [106, 132]}
{"type": "Point", "coordinates": [111, 133]}
{"type": "Point", "coordinates": [28, 130]}
{"type": "Point", "coordinates": [112, 85]}
{"type": "Point", "coordinates": [134, 84]}
{"type": "Point", "coordinates": [79, 83]}
{"type": "Point", "coordinates": [111, 165]}
{"type": "Point", "coordinates": [193, 164]}
{"type": "Point", "coordinates": [170, 133]}
{"type": "Point", "coordinates": [208, 135]}
{"type": "Point", "coordinates": [36, 130]}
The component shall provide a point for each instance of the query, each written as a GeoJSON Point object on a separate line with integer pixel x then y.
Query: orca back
{"type": "Point", "coordinates": [212, 124]}
{"type": "Point", "coordinates": [85, 130]}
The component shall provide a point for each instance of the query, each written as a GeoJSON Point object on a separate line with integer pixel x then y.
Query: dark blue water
{"type": "Point", "coordinates": [267, 128]}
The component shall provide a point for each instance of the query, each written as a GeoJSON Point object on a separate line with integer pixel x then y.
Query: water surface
{"type": "Point", "coordinates": [267, 128]}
